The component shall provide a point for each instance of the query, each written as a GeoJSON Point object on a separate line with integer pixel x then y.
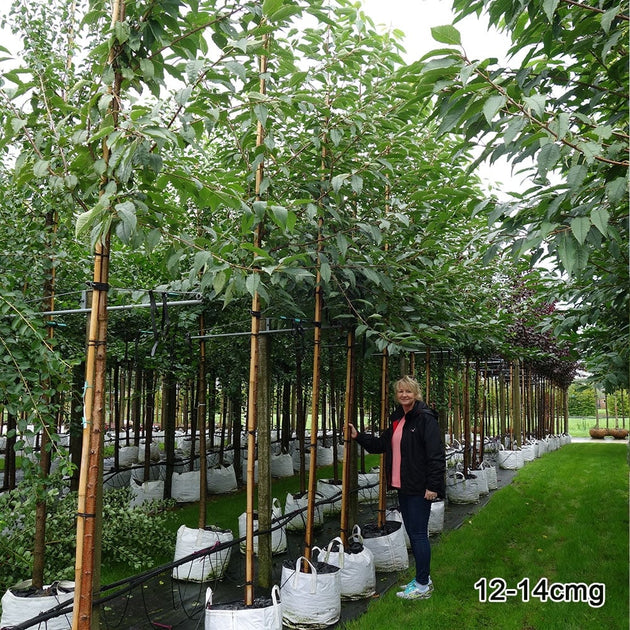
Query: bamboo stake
{"type": "Point", "coordinates": [252, 403]}
{"type": "Point", "coordinates": [317, 336]}
{"type": "Point", "coordinates": [87, 565]}
{"type": "Point", "coordinates": [91, 460]}
{"type": "Point", "coordinates": [312, 473]}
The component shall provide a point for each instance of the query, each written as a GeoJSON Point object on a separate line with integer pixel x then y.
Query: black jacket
{"type": "Point", "coordinates": [423, 464]}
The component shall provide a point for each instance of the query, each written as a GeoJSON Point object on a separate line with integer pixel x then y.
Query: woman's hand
{"type": "Point", "coordinates": [353, 431]}
{"type": "Point", "coordinates": [429, 495]}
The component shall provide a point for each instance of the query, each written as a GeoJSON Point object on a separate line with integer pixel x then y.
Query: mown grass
{"type": "Point", "coordinates": [564, 517]}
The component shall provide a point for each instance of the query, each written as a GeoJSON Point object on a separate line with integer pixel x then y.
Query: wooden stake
{"type": "Point", "coordinates": [252, 406]}
{"type": "Point", "coordinates": [312, 473]}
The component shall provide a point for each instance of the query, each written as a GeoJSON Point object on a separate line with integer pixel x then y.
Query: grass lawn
{"type": "Point", "coordinates": [563, 519]}
{"type": "Point", "coordinates": [579, 426]}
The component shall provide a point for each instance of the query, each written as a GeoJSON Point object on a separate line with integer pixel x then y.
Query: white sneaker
{"type": "Point", "coordinates": [416, 591]}
{"type": "Point", "coordinates": [404, 587]}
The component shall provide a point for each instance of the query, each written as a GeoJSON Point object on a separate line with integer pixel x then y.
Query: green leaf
{"type": "Point", "coordinates": [17, 124]}
{"type": "Point", "coordinates": [616, 189]}
{"type": "Point", "coordinates": [40, 168]}
{"type": "Point", "coordinates": [580, 227]}
{"type": "Point", "coordinates": [599, 217]}
{"type": "Point", "coordinates": [285, 12]}
{"type": "Point", "coordinates": [84, 221]}
{"type": "Point", "coordinates": [128, 220]}
{"type": "Point", "coordinates": [147, 68]}
{"type": "Point", "coordinates": [446, 34]}
{"type": "Point", "coordinates": [324, 270]}
{"type": "Point", "coordinates": [280, 214]}
{"type": "Point", "coordinates": [271, 6]}
{"type": "Point", "coordinates": [608, 17]}
{"type": "Point", "coordinates": [566, 250]}
{"type": "Point", "coordinates": [342, 243]}
{"type": "Point", "coordinates": [219, 281]}
{"type": "Point", "coordinates": [549, 7]}
{"type": "Point", "coordinates": [548, 157]}
{"type": "Point", "coordinates": [252, 283]}
{"type": "Point", "coordinates": [515, 126]}
{"type": "Point", "coordinates": [338, 180]}
{"type": "Point", "coordinates": [492, 106]}
{"type": "Point", "coordinates": [536, 104]}
{"type": "Point", "coordinates": [576, 175]}
{"type": "Point", "coordinates": [261, 113]}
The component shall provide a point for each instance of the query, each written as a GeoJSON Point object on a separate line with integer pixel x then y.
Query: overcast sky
{"type": "Point", "coordinates": [415, 18]}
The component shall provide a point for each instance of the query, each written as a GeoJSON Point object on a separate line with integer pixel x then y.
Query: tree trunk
{"type": "Point", "coordinates": [263, 433]}
{"type": "Point", "coordinates": [201, 423]}
{"type": "Point", "coordinates": [169, 420]}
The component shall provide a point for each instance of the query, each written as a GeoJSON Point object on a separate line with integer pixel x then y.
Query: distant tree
{"type": "Point", "coordinates": [581, 400]}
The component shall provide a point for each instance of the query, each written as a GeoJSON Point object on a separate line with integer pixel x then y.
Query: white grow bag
{"type": "Point", "coordinates": [295, 502]}
{"type": "Point", "coordinates": [16, 610]}
{"type": "Point", "coordinates": [491, 475]}
{"type": "Point", "coordinates": [436, 518]}
{"type": "Point", "coordinates": [529, 452]}
{"type": "Point", "coordinates": [146, 491]}
{"type": "Point", "coordinates": [154, 452]}
{"type": "Point", "coordinates": [356, 563]}
{"type": "Point", "coordinates": [282, 465]}
{"type": "Point", "coordinates": [393, 514]}
{"type": "Point", "coordinates": [510, 460]}
{"type": "Point", "coordinates": [278, 535]}
{"type": "Point", "coordinates": [127, 456]}
{"type": "Point", "coordinates": [324, 456]}
{"type": "Point", "coordinates": [310, 600]}
{"type": "Point", "coordinates": [185, 486]}
{"type": "Point", "coordinates": [330, 490]}
{"type": "Point", "coordinates": [367, 490]}
{"type": "Point", "coordinates": [256, 617]}
{"type": "Point", "coordinates": [459, 490]}
{"type": "Point", "coordinates": [478, 478]}
{"type": "Point", "coordinates": [221, 479]}
{"type": "Point", "coordinates": [203, 568]}
{"type": "Point", "coordinates": [389, 550]}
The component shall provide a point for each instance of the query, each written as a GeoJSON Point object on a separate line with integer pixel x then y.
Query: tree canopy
{"type": "Point", "coordinates": [376, 155]}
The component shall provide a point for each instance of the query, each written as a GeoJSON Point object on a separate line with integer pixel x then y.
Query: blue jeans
{"type": "Point", "coordinates": [415, 511]}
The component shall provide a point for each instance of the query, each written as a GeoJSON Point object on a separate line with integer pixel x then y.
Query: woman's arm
{"type": "Point", "coordinates": [371, 443]}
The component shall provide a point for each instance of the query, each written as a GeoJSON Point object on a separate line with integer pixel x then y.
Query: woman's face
{"type": "Point", "coordinates": [406, 396]}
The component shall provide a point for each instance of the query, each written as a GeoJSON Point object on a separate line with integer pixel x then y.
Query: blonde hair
{"type": "Point", "coordinates": [410, 383]}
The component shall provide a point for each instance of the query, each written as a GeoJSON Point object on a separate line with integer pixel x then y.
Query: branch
{"type": "Point", "coordinates": [521, 108]}
{"type": "Point", "coordinates": [621, 16]}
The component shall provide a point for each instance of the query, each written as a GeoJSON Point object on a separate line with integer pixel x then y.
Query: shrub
{"type": "Point", "coordinates": [129, 534]}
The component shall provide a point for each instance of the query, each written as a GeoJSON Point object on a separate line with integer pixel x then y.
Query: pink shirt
{"type": "Point", "coordinates": [396, 437]}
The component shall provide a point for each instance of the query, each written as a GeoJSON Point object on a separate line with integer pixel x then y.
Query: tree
{"type": "Point", "coordinates": [563, 106]}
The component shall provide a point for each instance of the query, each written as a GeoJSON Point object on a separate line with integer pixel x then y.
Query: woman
{"type": "Point", "coordinates": [415, 466]}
